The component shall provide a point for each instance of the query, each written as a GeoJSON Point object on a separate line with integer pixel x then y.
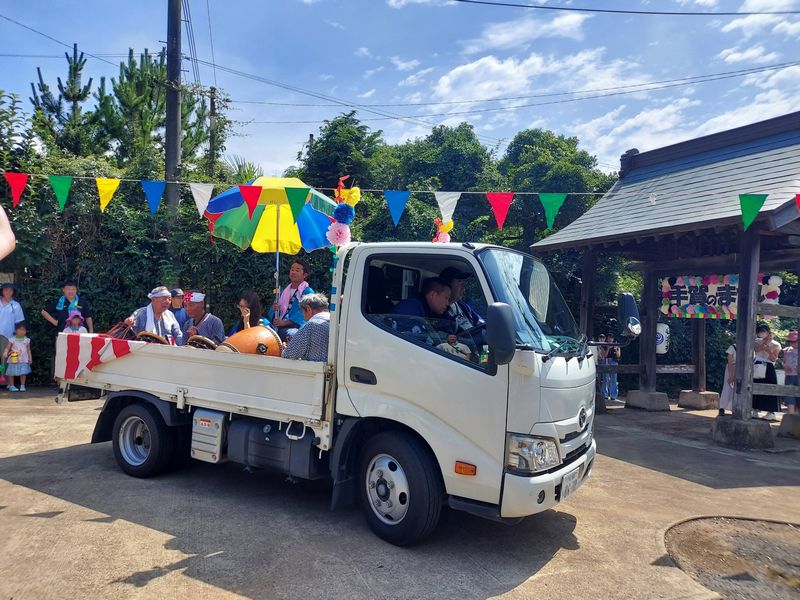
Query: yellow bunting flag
{"type": "Point", "coordinates": [106, 187]}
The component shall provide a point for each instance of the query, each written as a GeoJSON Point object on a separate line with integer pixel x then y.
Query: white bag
{"type": "Point", "coordinates": [759, 370]}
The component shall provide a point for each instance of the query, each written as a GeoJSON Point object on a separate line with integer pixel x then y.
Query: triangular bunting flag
{"type": "Point", "coordinates": [106, 187]}
{"type": "Point", "coordinates": [201, 192]}
{"type": "Point", "coordinates": [447, 204]}
{"type": "Point", "coordinates": [552, 204]}
{"type": "Point", "coordinates": [17, 182]}
{"type": "Point", "coordinates": [751, 204]}
{"type": "Point", "coordinates": [297, 199]}
{"type": "Point", "coordinates": [61, 185]}
{"type": "Point", "coordinates": [500, 201]}
{"type": "Point", "coordinates": [251, 194]}
{"type": "Point", "coordinates": [797, 200]}
{"type": "Point", "coordinates": [153, 191]}
{"type": "Point", "coordinates": [397, 203]}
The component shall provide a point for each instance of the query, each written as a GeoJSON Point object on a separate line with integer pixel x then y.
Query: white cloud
{"type": "Point", "coordinates": [788, 28]}
{"type": "Point", "coordinates": [335, 24]}
{"type": "Point", "coordinates": [402, 3]}
{"type": "Point", "coordinates": [326, 77]}
{"type": "Point", "coordinates": [362, 52]}
{"type": "Point", "coordinates": [370, 72]}
{"type": "Point", "coordinates": [367, 94]}
{"type": "Point", "coordinates": [701, 3]}
{"type": "Point", "coordinates": [755, 54]}
{"type": "Point", "coordinates": [404, 65]}
{"type": "Point", "coordinates": [751, 25]}
{"type": "Point", "coordinates": [416, 78]}
{"type": "Point", "coordinates": [521, 32]}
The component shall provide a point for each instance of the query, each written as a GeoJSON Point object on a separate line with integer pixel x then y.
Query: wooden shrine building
{"type": "Point", "coordinates": [676, 212]}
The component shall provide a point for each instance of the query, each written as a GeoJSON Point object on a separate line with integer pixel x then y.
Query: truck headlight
{"type": "Point", "coordinates": [531, 454]}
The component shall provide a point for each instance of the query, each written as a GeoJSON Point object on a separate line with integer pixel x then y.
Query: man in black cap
{"type": "Point", "coordinates": [176, 307]}
{"type": "Point", "coordinates": [459, 311]}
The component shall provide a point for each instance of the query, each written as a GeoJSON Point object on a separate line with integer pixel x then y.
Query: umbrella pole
{"type": "Point", "coordinates": [277, 251]}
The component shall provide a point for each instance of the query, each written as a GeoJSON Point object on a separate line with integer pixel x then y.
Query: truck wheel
{"type": "Point", "coordinates": [401, 492]}
{"type": "Point", "coordinates": [142, 441]}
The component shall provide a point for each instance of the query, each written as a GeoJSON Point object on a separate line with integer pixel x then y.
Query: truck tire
{"type": "Point", "coordinates": [400, 491]}
{"type": "Point", "coordinates": [142, 442]}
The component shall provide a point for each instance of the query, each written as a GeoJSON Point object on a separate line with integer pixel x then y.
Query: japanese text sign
{"type": "Point", "coordinates": [711, 296]}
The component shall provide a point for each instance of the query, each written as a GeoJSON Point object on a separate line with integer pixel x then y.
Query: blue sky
{"type": "Point", "coordinates": [435, 51]}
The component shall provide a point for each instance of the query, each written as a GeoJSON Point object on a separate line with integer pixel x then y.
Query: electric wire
{"type": "Point", "coordinates": [628, 11]}
{"type": "Point", "coordinates": [211, 41]}
{"type": "Point", "coordinates": [689, 78]}
{"type": "Point", "coordinates": [189, 26]}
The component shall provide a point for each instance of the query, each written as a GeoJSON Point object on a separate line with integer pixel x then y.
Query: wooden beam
{"type": "Point", "coordinates": [783, 216]}
{"type": "Point", "coordinates": [587, 293]}
{"type": "Point", "coordinates": [750, 255]}
{"type": "Point", "coordinates": [647, 340]}
{"type": "Point", "coordinates": [675, 369]}
{"type": "Point", "coordinates": [699, 355]}
{"type": "Point", "coordinates": [773, 389]}
{"type": "Point", "coordinates": [779, 310]}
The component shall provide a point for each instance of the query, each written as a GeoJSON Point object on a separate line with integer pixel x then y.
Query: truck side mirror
{"type": "Point", "coordinates": [501, 335]}
{"type": "Point", "coordinates": [628, 316]}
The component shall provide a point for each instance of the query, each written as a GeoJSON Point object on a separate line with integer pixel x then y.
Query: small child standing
{"type": "Point", "coordinates": [75, 323]}
{"type": "Point", "coordinates": [18, 358]}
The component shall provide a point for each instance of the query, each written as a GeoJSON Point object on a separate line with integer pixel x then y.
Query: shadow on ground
{"type": "Point", "coordinates": [678, 443]}
{"type": "Point", "coordinates": [259, 536]}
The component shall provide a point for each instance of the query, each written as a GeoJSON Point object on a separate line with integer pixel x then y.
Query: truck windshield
{"type": "Point", "coordinates": [542, 318]}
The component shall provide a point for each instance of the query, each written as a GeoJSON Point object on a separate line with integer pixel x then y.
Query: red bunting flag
{"type": "Point", "coordinates": [251, 194]}
{"type": "Point", "coordinates": [500, 201]}
{"type": "Point", "coordinates": [797, 200]}
{"type": "Point", "coordinates": [17, 183]}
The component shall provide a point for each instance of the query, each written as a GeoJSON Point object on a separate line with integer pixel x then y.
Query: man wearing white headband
{"type": "Point", "coordinates": [156, 317]}
{"type": "Point", "coordinates": [201, 322]}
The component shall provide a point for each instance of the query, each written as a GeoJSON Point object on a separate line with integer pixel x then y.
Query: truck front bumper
{"type": "Point", "coordinates": [523, 496]}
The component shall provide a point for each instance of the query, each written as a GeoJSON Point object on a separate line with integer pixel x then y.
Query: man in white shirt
{"type": "Point", "coordinates": [454, 347]}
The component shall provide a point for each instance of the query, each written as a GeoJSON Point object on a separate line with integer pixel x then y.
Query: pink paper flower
{"type": "Point", "coordinates": [338, 234]}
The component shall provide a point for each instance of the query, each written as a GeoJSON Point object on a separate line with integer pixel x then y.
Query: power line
{"type": "Point", "coordinates": [690, 79]}
{"type": "Point", "coordinates": [52, 39]}
{"type": "Point", "coordinates": [629, 12]}
{"type": "Point", "coordinates": [7, 55]}
{"type": "Point", "coordinates": [680, 83]}
{"type": "Point", "coordinates": [336, 101]}
{"type": "Point", "coordinates": [211, 40]}
{"type": "Point", "coordinates": [187, 10]}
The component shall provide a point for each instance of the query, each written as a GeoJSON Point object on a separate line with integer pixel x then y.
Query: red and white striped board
{"type": "Point", "coordinates": [78, 351]}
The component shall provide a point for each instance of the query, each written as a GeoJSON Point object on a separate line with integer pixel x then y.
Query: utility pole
{"type": "Point", "coordinates": [173, 128]}
{"type": "Point", "coordinates": [212, 138]}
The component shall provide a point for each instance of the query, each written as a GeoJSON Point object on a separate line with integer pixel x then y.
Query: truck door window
{"type": "Point", "coordinates": [394, 301]}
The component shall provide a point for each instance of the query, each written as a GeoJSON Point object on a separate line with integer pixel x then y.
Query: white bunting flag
{"type": "Point", "coordinates": [447, 204]}
{"type": "Point", "coordinates": [201, 192]}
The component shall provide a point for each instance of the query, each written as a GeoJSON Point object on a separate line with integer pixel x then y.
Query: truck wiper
{"type": "Point", "coordinates": [553, 352]}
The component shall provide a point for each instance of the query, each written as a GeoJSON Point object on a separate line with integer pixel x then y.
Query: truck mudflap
{"type": "Point", "coordinates": [523, 496]}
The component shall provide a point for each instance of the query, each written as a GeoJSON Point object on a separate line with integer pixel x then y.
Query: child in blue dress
{"type": "Point", "coordinates": [18, 358]}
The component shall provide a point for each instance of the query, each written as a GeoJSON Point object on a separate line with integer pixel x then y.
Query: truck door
{"type": "Point", "coordinates": [406, 363]}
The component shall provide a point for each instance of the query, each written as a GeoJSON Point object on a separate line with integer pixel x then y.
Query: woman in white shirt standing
{"type": "Point", "coordinates": [766, 353]}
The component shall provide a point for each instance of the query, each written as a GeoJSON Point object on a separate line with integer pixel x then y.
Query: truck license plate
{"type": "Point", "coordinates": [569, 483]}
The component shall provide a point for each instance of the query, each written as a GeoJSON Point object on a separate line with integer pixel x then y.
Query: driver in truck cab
{"type": "Point", "coordinates": [431, 303]}
{"type": "Point", "coordinates": [464, 316]}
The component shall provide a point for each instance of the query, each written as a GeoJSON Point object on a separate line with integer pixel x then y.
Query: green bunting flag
{"type": "Point", "coordinates": [61, 185]}
{"type": "Point", "coordinates": [552, 204]}
{"type": "Point", "coordinates": [751, 204]}
{"type": "Point", "coordinates": [297, 200]}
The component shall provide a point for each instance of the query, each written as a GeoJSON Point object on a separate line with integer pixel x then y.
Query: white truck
{"type": "Point", "coordinates": [398, 421]}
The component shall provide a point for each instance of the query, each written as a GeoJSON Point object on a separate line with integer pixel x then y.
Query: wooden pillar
{"type": "Point", "coordinates": [587, 293]}
{"type": "Point", "coordinates": [749, 259]}
{"type": "Point", "coordinates": [699, 355]}
{"type": "Point", "coordinates": [647, 340]}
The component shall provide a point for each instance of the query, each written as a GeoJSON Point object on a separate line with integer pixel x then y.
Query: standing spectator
{"type": "Point", "coordinates": [602, 359]}
{"type": "Point", "coordinates": [7, 240]}
{"type": "Point", "coordinates": [57, 312]}
{"type": "Point", "coordinates": [176, 307]}
{"type": "Point", "coordinates": [10, 314]}
{"type": "Point", "coordinates": [18, 357]}
{"type": "Point", "coordinates": [75, 323]}
{"type": "Point", "coordinates": [728, 381]}
{"type": "Point", "coordinates": [766, 353]}
{"type": "Point", "coordinates": [790, 368]}
{"type": "Point", "coordinates": [613, 354]}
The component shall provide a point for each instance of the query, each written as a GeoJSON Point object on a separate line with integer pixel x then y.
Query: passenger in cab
{"type": "Point", "coordinates": [249, 306]}
{"type": "Point", "coordinates": [156, 317]}
{"type": "Point", "coordinates": [432, 302]}
{"type": "Point", "coordinates": [285, 314]}
{"type": "Point", "coordinates": [201, 322]}
{"type": "Point", "coordinates": [311, 340]}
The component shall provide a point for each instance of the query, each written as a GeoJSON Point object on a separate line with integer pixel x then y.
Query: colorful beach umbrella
{"type": "Point", "coordinates": [272, 214]}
